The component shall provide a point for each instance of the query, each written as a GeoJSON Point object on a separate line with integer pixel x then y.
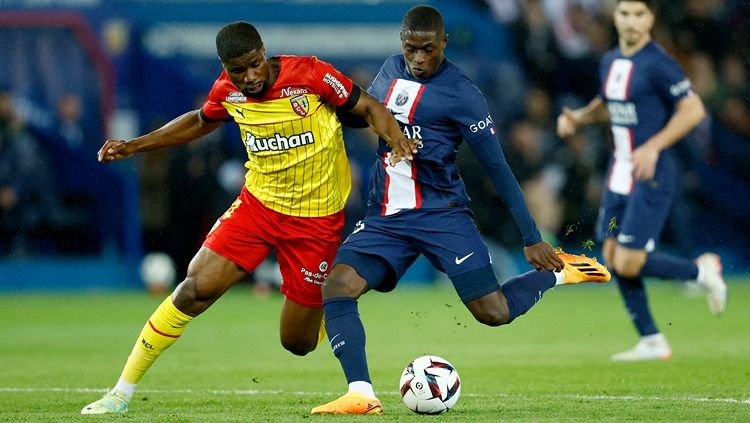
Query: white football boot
{"type": "Point", "coordinates": [651, 347]}
{"type": "Point", "coordinates": [113, 402]}
{"type": "Point", "coordinates": [712, 282]}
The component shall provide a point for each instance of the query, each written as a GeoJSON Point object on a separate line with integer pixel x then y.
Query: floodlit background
{"type": "Point", "coordinates": [75, 72]}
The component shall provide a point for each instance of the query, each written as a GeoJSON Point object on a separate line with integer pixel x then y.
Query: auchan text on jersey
{"type": "Point", "coordinates": [278, 142]}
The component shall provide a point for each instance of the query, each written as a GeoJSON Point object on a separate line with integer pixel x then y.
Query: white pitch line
{"type": "Point", "coordinates": [389, 393]}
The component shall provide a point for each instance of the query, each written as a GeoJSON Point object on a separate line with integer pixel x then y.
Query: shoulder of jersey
{"type": "Point", "coordinates": [227, 91]}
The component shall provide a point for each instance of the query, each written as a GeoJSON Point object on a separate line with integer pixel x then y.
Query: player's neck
{"type": "Point", "coordinates": [274, 68]}
{"type": "Point", "coordinates": [629, 50]}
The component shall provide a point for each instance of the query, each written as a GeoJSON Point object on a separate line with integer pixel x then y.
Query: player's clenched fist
{"type": "Point", "coordinates": [566, 123]}
{"type": "Point", "coordinates": [115, 150]}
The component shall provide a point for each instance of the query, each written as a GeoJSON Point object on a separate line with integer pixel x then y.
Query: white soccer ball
{"type": "Point", "coordinates": [158, 272]}
{"type": "Point", "coordinates": [430, 385]}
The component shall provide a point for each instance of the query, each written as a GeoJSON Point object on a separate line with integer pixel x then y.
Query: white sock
{"type": "Point", "coordinates": [656, 338]}
{"type": "Point", "coordinates": [126, 388]}
{"type": "Point", "coordinates": [362, 387]}
{"type": "Point", "coordinates": [701, 273]}
{"type": "Point", "coordinates": [559, 278]}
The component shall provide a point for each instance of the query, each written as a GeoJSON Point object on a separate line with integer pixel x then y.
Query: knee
{"type": "Point", "coordinates": [627, 267]}
{"type": "Point", "coordinates": [492, 317]}
{"type": "Point", "coordinates": [189, 299]}
{"type": "Point", "coordinates": [344, 282]}
{"type": "Point", "coordinates": [299, 347]}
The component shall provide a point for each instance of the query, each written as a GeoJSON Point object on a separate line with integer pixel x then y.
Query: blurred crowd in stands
{"type": "Point", "coordinates": [557, 45]}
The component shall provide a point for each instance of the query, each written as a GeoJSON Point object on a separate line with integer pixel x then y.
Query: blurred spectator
{"type": "Point", "coordinates": [69, 127]}
{"type": "Point", "coordinates": [28, 200]}
{"type": "Point", "coordinates": [525, 151]}
{"type": "Point", "coordinates": [700, 30]}
{"type": "Point", "coordinates": [534, 44]}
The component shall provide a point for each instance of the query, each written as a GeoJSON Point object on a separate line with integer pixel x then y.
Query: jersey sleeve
{"type": "Point", "coordinates": [212, 109]}
{"type": "Point", "coordinates": [472, 115]}
{"type": "Point", "coordinates": [669, 80]}
{"type": "Point", "coordinates": [333, 86]}
{"type": "Point", "coordinates": [487, 150]}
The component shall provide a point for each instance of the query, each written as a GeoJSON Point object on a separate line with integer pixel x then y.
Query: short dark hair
{"type": "Point", "coordinates": [236, 39]}
{"type": "Point", "coordinates": [423, 18]}
{"type": "Point", "coordinates": [651, 4]}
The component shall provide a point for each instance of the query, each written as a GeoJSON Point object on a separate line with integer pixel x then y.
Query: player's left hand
{"type": "Point", "coordinates": [543, 257]}
{"type": "Point", "coordinates": [644, 162]}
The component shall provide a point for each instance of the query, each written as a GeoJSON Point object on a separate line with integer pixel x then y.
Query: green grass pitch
{"type": "Point", "coordinates": [59, 352]}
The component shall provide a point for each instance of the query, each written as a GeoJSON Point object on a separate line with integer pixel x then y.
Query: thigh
{"type": "Point", "coordinates": [476, 284]}
{"type": "Point", "coordinates": [240, 234]}
{"type": "Point", "coordinates": [629, 261]}
{"type": "Point", "coordinates": [306, 249]}
{"type": "Point", "coordinates": [450, 240]}
{"type": "Point", "coordinates": [646, 212]}
{"type": "Point", "coordinates": [379, 250]}
{"type": "Point", "coordinates": [209, 276]}
{"type": "Point", "coordinates": [299, 324]}
{"type": "Point", "coordinates": [608, 251]}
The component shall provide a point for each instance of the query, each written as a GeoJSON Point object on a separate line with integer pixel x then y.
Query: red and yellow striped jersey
{"type": "Point", "coordinates": [296, 164]}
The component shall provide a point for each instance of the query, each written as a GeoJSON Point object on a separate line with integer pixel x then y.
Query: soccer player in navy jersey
{"type": "Point", "coordinates": [420, 206]}
{"type": "Point", "coordinates": [650, 106]}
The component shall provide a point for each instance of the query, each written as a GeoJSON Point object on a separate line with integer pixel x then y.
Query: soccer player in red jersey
{"type": "Point", "coordinates": [297, 183]}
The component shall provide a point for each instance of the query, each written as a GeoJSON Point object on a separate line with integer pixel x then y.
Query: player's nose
{"type": "Point", "coordinates": [419, 58]}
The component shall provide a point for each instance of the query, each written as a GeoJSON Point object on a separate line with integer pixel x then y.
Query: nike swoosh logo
{"type": "Point", "coordinates": [334, 338]}
{"type": "Point", "coordinates": [463, 259]}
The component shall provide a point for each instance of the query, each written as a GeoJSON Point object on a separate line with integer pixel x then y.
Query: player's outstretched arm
{"type": "Point", "coordinates": [384, 124]}
{"type": "Point", "coordinates": [570, 120]}
{"type": "Point", "coordinates": [180, 130]}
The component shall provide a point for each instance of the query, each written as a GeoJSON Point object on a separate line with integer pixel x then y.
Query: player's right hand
{"type": "Point", "coordinates": [403, 149]}
{"type": "Point", "coordinates": [115, 150]}
{"type": "Point", "coordinates": [566, 123]}
{"type": "Point", "coordinates": [543, 257]}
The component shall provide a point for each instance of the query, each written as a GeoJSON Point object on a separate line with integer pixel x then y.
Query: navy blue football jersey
{"type": "Point", "coordinates": [641, 92]}
{"type": "Point", "coordinates": [440, 111]}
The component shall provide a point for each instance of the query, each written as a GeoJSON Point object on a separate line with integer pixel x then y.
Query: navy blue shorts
{"type": "Point", "coordinates": [637, 219]}
{"type": "Point", "coordinates": [381, 249]}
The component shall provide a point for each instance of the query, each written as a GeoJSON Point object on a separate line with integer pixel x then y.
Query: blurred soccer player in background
{"type": "Point", "coordinates": [297, 182]}
{"type": "Point", "coordinates": [420, 206]}
{"type": "Point", "coordinates": [650, 106]}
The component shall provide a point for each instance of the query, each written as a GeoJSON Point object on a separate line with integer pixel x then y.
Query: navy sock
{"type": "Point", "coordinates": [669, 267]}
{"type": "Point", "coordinates": [347, 337]}
{"type": "Point", "coordinates": [523, 291]}
{"type": "Point", "coordinates": [636, 302]}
